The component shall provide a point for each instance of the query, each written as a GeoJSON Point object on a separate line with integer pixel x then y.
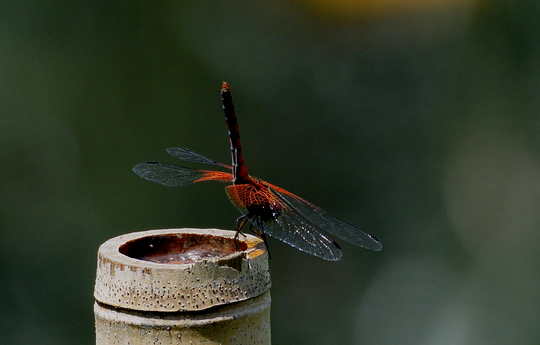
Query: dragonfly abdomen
{"type": "Point", "coordinates": [240, 172]}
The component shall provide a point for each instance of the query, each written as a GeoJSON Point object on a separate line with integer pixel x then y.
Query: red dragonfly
{"type": "Point", "coordinates": [271, 209]}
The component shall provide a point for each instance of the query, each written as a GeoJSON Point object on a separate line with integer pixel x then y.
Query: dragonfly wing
{"type": "Point", "coordinates": [293, 229]}
{"type": "Point", "coordinates": [175, 175]}
{"type": "Point", "coordinates": [192, 156]}
{"type": "Point", "coordinates": [327, 222]}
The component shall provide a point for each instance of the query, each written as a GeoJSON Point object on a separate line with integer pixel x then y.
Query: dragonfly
{"type": "Point", "coordinates": [272, 210]}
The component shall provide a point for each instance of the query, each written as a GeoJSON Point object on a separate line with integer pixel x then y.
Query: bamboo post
{"type": "Point", "coordinates": [182, 286]}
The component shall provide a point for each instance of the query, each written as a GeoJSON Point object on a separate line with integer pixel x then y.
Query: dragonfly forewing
{"type": "Point", "coordinates": [192, 156]}
{"type": "Point", "coordinates": [327, 222]}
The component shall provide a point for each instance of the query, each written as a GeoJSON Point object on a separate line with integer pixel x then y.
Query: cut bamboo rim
{"type": "Point", "coordinates": [198, 284]}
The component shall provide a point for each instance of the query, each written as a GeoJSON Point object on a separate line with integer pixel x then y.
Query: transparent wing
{"type": "Point", "coordinates": [292, 228]}
{"type": "Point", "coordinates": [326, 222]}
{"type": "Point", "coordinates": [175, 175]}
{"type": "Point", "coordinates": [192, 156]}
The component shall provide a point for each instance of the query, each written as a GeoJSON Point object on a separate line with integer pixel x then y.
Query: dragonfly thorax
{"type": "Point", "coordinates": [256, 199]}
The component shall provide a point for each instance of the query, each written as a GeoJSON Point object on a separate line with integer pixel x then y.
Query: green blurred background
{"type": "Point", "coordinates": [418, 121]}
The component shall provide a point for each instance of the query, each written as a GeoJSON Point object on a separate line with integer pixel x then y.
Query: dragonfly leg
{"type": "Point", "coordinates": [241, 221]}
{"type": "Point", "coordinates": [261, 235]}
{"type": "Point", "coordinates": [239, 224]}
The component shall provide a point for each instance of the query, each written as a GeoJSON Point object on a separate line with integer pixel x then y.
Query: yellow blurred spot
{"type": "Point", "coordinates": [353, 9]}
